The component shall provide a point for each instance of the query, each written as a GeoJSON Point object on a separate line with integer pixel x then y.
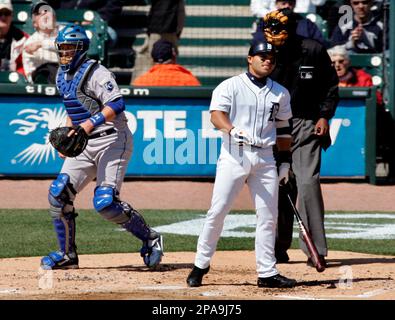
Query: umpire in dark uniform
{"type": "Point", "coordinates": [305, 69]}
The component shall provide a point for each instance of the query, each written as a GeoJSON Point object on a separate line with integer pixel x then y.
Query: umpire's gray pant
{"type": "Point", "coordinates": [306, 163]}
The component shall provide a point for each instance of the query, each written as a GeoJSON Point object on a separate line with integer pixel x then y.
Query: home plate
{"type": "Point", "coordinates": [211, 294]}
{"type": "Point", "coordinates": [162, 288]}
{"type": "Point", "coordinates": [9, 291]}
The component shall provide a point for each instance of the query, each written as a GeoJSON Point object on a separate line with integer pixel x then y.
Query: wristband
{"type": "Point", "coordinates": [97, 119]}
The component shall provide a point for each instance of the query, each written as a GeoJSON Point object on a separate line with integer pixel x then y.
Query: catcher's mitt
{"type": "Point", "coordinates": [275, 27]}
{"type": "Point", "coordinates": [69, 146]}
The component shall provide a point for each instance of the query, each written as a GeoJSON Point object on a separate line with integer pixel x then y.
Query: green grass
{"type": "Point", "coordinates": [381, 247]}
{"type": "Point", "coordinates": [30, 233]}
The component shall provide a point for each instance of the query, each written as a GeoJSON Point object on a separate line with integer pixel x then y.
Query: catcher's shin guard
{"type": "Point", "coordinates": [138, 227]}
{"type": "Point", "coordinates": [152, 249]}
{"type": "Point", "coordinates": [106, 202]}
{"type": "Point", "coordinates": [65, 231]}
{"type": "Point", "coordinates": [60, 198]}
{"type": "Point", "coordinates": [108, 205]}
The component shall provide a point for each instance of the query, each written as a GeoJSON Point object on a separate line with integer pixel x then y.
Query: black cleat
{"type": "Point", "coordinates": [195, 277]}
{"type": "Point", "coordinates": [277, 281]}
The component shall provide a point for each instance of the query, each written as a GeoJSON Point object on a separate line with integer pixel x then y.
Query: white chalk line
{"type": "Point", "coordinates": [240, 226]}
{"type": "Point", "coordinates": [299, 297]}
{"type": "Point", "coordinates": [162, 288]}
{"type": "Point", "coordinates": [9, 291]}
{"type": "Point", "coordinates": [364, 295]}
{"type": "Point", "coordinates": [212, 294]}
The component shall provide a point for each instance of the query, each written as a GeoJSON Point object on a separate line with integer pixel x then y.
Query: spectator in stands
{"type": "Point", "coordinates": [364, 34]}
{"type": "Point", "coordinates": [308, 6]}
{"type": "Point", "coordinates": [109, 10]}
{"type": "Point", "coordinates": [349, 76]}
{"type": "Point", "coordinates": [40, 60]}
{"type": "Point", "coordinates": [260, 8]}
{"type": "Point", "coordinates": [352, 77]}
{"type": "Point", "coordinates": [12, 40]}
{"type": "Point", "coordinates": [377, 6]}
{"type": "Point", "coordinates": [305, 27]}
{"type": "Point", "coordinates": [165, 21]}
{"type": "Point", "coordinates": [166, 72]}
{"type": "Point", "coordinates": [331, 13]}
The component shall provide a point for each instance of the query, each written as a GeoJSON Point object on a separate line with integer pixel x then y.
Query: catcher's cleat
{"type": "Point", "coordinates": [59, 260]}
{"type": "Point", "coordinates": [152, 252]}
{"type": "Point", "coordinates": [196, 276]}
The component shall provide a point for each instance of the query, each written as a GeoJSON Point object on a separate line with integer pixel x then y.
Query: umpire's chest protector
{"type": "Point", "coordinates": [78, 104]}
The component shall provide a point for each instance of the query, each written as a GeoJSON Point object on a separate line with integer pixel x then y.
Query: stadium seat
{"type": "Point", "coordinates": [366, 59]}
{"type": "Point", "coordinates": [12, 77]}
{"type": "Point", "coordinates": [96, 30]}
{"type": "Point", "coordinates": [213, 44]}
{"type": "Point", "coordinates": [215, 39]}
{"type": "Point", "coordinates": [131, 24]}
{"type": "Point", "coordinates": [21, 16]}
{"type": "Point", "coordinates": [81, 15]}
{"type": "Point", "coordinates": [218, 2]}
{"type": "Point", "coordinates": [371, 63]}
{"type": "Point", "coordinates": [319, 21]}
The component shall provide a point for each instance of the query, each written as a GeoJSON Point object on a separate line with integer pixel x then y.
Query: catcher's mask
{"type": "Point", "coordinates": [278, 25]}
{"type": "Point", "coordinates": [72, 44]}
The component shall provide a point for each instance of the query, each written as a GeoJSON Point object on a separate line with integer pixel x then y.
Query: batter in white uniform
{"type": "Point", "coordinates": [93, 101]}
{"type": "Point", "coordinates": [249, 109]}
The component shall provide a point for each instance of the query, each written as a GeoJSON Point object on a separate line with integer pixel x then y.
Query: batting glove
{"type": "Point", "coordinates": [240, 136]}
{"type": "Point", "coordinates": [283, 173]}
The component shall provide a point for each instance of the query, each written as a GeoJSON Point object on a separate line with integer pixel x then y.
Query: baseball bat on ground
{"type": "Point", "coordinates": [307, 238]}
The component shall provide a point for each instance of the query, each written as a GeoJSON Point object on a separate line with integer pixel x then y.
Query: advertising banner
{"type": "Point", "coordinates": [172, 137]}
{"type": "Point", "coordinates": [346, 156]}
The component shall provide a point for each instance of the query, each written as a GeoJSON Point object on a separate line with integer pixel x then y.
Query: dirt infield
{"type": "Point", "coordinates": [232, 276]}
{"type": "Point", "coordinates": [123, 276]}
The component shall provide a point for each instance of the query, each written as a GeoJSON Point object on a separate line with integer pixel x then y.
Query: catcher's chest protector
{"type": "Point", "coordinates": [79, 106]}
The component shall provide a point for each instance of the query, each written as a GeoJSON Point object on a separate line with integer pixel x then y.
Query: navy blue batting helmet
{"type": "Point", "coordinates": [260, 47]}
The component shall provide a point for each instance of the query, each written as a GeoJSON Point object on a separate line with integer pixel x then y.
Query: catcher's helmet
{"type": "Point", "coordinates": [72, 44]}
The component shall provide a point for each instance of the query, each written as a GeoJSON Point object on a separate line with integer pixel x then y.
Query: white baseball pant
{"type": "Point", "coordinates": [236, 166]}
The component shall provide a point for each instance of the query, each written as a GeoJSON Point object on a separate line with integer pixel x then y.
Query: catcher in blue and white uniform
{"type": "Point", "coordinates": [93, 102]}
